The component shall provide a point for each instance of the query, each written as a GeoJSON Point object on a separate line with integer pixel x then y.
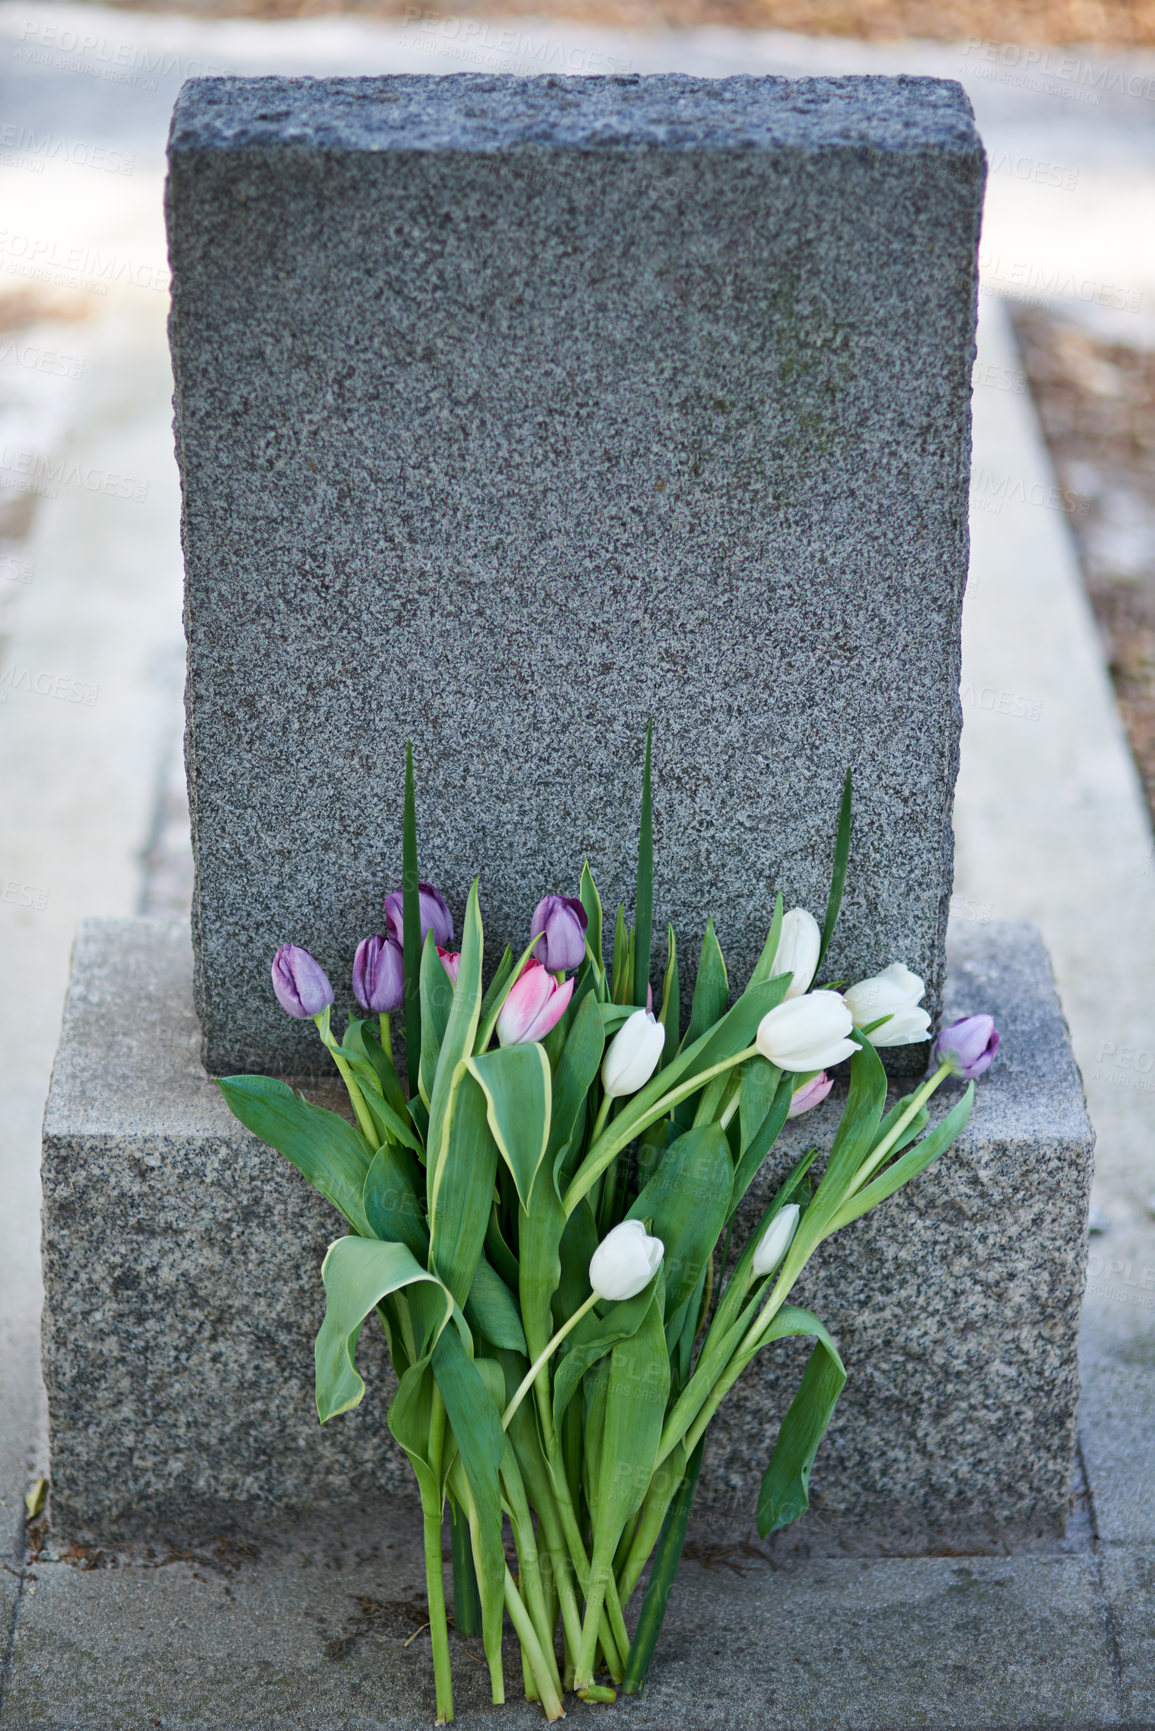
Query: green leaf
{"type": "Point", "coordinates": [636, 1394]}
{"type": "Point", "coordinates": [539, 1237]}
{"type": "Point", "coordinates": [670, 1014]}
{"type": "Point", "coordinates": [516, 1083]}
{"type": "Point", "coordinates": [763, 967]}
{"type": "Point", "coordinates": [498, 1250]}
{"type": "Point", "coordinates": [495, 996]}
{"type": "Point", "coordinates": [613, 1017]}
{"type": "Point", "coordinates": [711, 987]}
{"type": "Point", "coordinates": [579, 1240]}
{"type": "Point", "coordinates": [480, 1442]}
{"type": "Point", "coordinates": [785, 1492]}
{"type": "Point", "coordinates": [329, 1152]}
{"type": "Point", "coordinates": [856, 1135]}
{"type": "Point", "coordinates": [576, 1072]}
{"type": "Point", "coordinates": [644, 897]}
{"type": "Point", "coordinates": [456, 1046]}
{"type": "Point", "coordinates": [688, 1199]}
{"type": "Point", "coordinates": [909, 1132]}
{"type": "Point", "coordinates": [838, 872]}
{"type": "Point", "coordinates": [592, 903]}
{"type": "Point", "coordinates": [392, 1201]}
{"type": "Point", "coordinates": [371, 1064]}
{"type": "Point", "coordinates": [411, 925]}
{"type": "Point", "coordinates": [491, 1310]}
{"type": "Point", "coordinates": [620, 988]}
{"type": "Point", "coordinates": [436, 1003]}
{"type": "Point", "coordinates": [358, 1273]}
{"type": "Point", "coordinates": [410, 1418]}
{"type": "Point", "coordinates": [754, 1154]}
{"type": "Point", "coordinates": [908, 1166]}
{"type": "Point", "coordinates": [593, 1337]}
{"type": "Point", "coordinates": [459, 1201]}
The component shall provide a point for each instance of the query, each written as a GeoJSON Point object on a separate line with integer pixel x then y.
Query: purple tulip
{"type": "Point", "coordinates": [813, 1094]}
{"type": "Point", "coordinates": [379, 974]}
{"type": "Point", "coordinates": [536, 1003]}
{"type": "Point", "coordinates": [435, 916]}
{"type": "Point", "coordinates": [562, 922]}
{"type": "Point", "coordinates": [968, 1045]}
{"type": "Point", "coordinates": [300, 982]}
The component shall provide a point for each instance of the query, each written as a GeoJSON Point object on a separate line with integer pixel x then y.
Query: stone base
{"type": "Point", "coordinates": [182, 1258]}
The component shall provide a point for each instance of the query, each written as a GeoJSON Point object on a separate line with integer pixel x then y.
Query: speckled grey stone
{"type": "Point", "coordinates": [182, 1264]}
{"type": "Point", "coordinates": [512, 412]}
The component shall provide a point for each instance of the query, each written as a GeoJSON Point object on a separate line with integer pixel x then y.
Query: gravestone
{"type": "Point", "coordinates": [511, 412]}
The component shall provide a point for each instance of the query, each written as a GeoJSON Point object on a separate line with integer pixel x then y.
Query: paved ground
{"type": "Point", "coordinates": [1049, 820]}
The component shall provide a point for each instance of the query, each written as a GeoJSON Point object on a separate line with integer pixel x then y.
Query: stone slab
{"type": "Point", "coordinates": [310, 1632]}
{"type": "Point", "coordinates": [182, 1266]}
{"type": "Point", "coordinates": [511, 412]}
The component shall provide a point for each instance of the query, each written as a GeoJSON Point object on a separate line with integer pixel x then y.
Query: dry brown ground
{"type": "Point", "coordinates": [1091, 23]}
{"type": "Point", "coordinates": [1096, 401]}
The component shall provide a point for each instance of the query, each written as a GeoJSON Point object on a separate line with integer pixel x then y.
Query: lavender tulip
{"type": "Point", "coordinates": [968, 1045]}
{"type": "Point", "coordinates": [434, 912]}
{"type": "Point", "coordinates": [379, 974]}
{"type": "Point", "coordinates": [562, 922]}
{"type": "Point", "coordinates": [300, 982]}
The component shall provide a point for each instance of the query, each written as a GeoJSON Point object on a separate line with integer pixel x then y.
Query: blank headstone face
{"type": "Point", "coordinates": [512, 412]}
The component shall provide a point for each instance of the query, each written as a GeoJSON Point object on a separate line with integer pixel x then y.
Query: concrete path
{"type": "Point", "coordinates": [1049, 824]}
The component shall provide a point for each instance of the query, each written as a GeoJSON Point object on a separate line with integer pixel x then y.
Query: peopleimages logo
{"type": "Point", "coordinates": [48, 260]}
{"type": "Point", "coordinates": [1025, 280]}
{"type": "Point", "coordinates": [1087, 80]}
{"type": "Point", "coordinates": [24, 143]}
{"type": "Point", "coordinates": [93, 56]}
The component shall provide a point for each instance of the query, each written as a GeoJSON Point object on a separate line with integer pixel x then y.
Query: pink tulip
{"type": "Point", "coordinates": [812, 1095]}
{"type": "Point", "coordinates": [450, 961]}
{"type": "Point", "coordinates": [536, 1003]}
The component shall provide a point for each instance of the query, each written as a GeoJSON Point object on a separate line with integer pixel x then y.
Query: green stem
{"type": "Point", "coordinates": [535, 1368]}
{"type": "Point", "coordinates": [466, 1599]}
{"type": "Point", "coordinates": [917, 1102]}
{"type": "Point", "coordinates": [527, 1635]}
{"type": "Point", "coordinates": [386, 1037]}
{"type": "Point", "coordinates": [669, 1555]}
{"type": "Point", "coordinates": [361, 1111]}
{"type": "Point", "coordinates": [434, 1578]}
{"type": "Point", "coordinates": [598, 1159]}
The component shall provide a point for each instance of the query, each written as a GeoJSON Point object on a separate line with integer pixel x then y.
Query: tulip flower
{"type": "Point", "coordinates": [450, 961]}
{"type": "Point", "coordinates": [626, 1260]}
{"type": "Point", "coordinates": [379, 974]}
{"type": "Point", "coordinates": [300, 982]}
{"type": "Point", "coordinates": [806, 1033]}
{"type": "Point", "coordinates": [535, 1004]}
{"type": "Point", "coordinates": [777, 1238]}
{"type": "Point", "coordinates": [633, 1054]}
{"type": "Point", "coordinates": [562, 922]}
{"type": "Point", "coordinates": [895, 994]}
{"type": "Point", "coordinates": [811, 1094]}
{"type": "Point", "coordinates": [435, 915]}
{"type": "Point", "coordinates": [968, 1046]}
{"type": "Point", "coordinates": [797, 952]}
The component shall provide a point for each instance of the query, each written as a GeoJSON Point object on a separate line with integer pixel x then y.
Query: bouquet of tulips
{"type": "Point", "coordinates": [543, 1219]}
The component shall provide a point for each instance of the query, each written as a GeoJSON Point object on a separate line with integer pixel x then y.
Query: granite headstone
{"type": "Point", "coordinates": [511, 412]}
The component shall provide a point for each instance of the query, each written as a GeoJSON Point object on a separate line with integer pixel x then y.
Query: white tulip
{"type": "Point", "coordinates": [797, 952]}
{"type": "Point", "coordinates": [777, 1239]}
{"type": "Point", "coordinates": [894, 993]}
{"type": "Point", "coordinates": [807, 1033]}
{"type": "Point", "coordinates": [626, 1260]}
{"type": "Point", "coordinates": [633, 1054]}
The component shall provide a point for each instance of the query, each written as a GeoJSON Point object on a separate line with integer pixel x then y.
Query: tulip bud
{"type": "Point", "coordinates": [300, 982]}
{"type": "Point", "coordinates": [812, 1094]}
{"type": "Point", "coordinates": [434, 913]}
{"type": "Point", "coordinates": [777, 1238]}
{"type": "Point", "coordinates": [562, 922]}
{"type": "Point", "coordinates": [633, 1054]}
{"type": "Point", "coordinates": [797, 952]}
{"type": "Point", "coordinates": [450, 961]}
{"type": "Point", "coordinates": [535, 1004]}
{"type": "Point", "coordinates": [968, 1045]}
{"type": "Point", "coordinates": [625, 1261]}
{"type": "Point", "coordinates": [895, 994]}
{"type": "Point", "coordinates": [806, 1033]}
{"type": "Point", "coordinates": [379, 974]}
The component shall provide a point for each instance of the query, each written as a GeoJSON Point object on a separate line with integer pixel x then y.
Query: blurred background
{"type": "Point", "coordinates": [1058, 693]}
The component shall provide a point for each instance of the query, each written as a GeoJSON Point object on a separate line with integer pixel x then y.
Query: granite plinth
{"type": "Point", "coordinates": [511, 412]}
{"type": "Point", "coordinates": [182, 1273]}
